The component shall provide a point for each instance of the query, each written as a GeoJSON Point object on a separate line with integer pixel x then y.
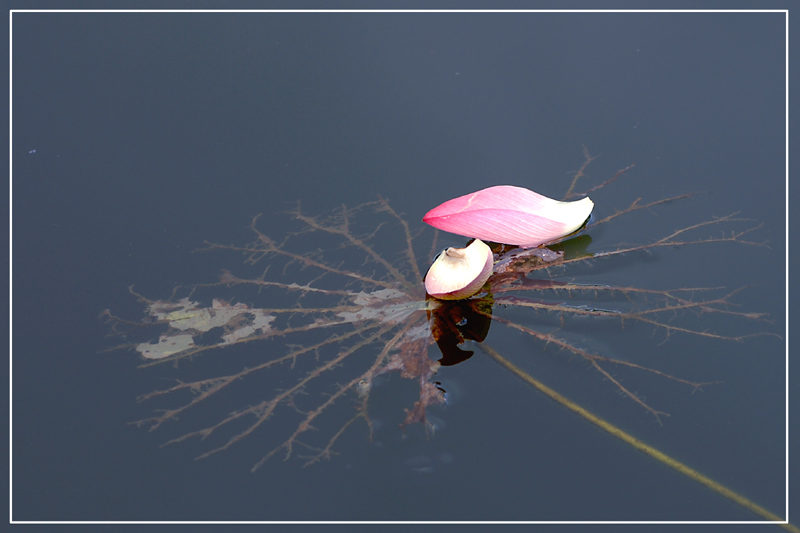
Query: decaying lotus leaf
{"type": "Point", "coordinates": [167, 345]}
{"type": "Point", "coordinates": [186, 319]}
{"type": "Point", "coordinates": [387, 305]}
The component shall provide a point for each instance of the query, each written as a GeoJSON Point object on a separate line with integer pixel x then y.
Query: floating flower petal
{"type": "Point", "coordinates": [510, 215]}
{"type": "Point", "coordinates": [459, 273]}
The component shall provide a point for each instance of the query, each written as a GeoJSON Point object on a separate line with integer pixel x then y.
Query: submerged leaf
{"type": "Point", "coordinates": [186, 318]}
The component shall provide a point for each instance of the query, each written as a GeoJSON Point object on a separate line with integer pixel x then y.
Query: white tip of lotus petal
{"type": "Point", "coordinates": [459, 273]}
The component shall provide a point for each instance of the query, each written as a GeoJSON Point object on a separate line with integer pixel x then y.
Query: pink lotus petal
{"type": "Point", "coordinates": [459, 273]}
{"type": "Point", "coordinates": [510, 215]}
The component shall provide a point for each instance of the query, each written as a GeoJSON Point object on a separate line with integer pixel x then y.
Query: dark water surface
{"type": "Point", "coordinates": [138, 136]}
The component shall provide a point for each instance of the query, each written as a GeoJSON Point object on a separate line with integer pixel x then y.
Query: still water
{"type": "Point", "coordinates": [139, 137]}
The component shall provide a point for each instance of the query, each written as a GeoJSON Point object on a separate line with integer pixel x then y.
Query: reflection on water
{"type": "Point", "coordinates": [300, 335]}
{"type": "Point", "coordinates": [427, 465]}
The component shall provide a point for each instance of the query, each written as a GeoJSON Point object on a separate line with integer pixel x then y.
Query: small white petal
{"type": "Point", "coordinates": [459, 273]}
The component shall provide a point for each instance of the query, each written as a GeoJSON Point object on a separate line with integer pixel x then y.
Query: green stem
{"type": "Point", "coordinates": [636, 443]}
